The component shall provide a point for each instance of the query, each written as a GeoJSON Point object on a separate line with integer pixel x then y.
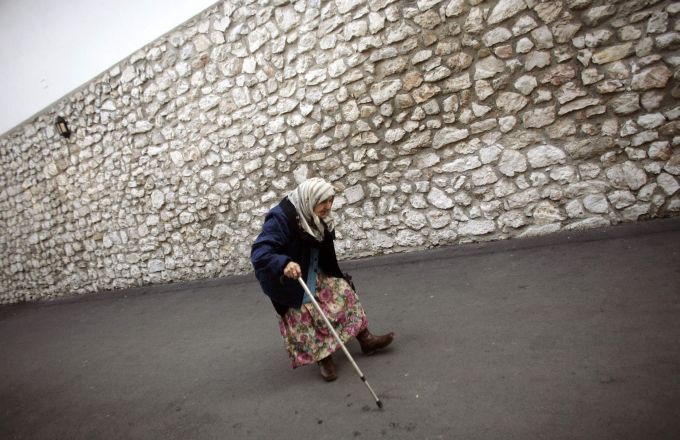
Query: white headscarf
{"type": "Point", "coordinates": [305, 197]}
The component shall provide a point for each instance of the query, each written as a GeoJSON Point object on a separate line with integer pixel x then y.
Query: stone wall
{"type": "Point", "coordinates": [441, 121]}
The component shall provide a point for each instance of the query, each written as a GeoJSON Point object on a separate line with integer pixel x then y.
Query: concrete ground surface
{"type": "Point", "coordinates": [570, 336]}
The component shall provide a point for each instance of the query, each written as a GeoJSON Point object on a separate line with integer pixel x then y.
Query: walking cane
{"type": "Point", "coordinates": [337, 338]}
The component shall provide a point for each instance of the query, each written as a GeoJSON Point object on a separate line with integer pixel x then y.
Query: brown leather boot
{"type": "Point", "coordinates": [327, 368]}
{"type": "Point", "coordinates": [371, 343]}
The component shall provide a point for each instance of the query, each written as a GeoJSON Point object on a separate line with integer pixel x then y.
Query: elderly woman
{"type": "Point", "coordinates": [297, 241]}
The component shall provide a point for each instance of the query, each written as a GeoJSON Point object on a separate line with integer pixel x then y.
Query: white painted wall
{"type": "Point", "coordinates": [49, 48]}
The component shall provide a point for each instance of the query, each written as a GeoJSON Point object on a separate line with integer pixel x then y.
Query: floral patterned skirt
{"type": "Point", "coordinates": [304, 331]}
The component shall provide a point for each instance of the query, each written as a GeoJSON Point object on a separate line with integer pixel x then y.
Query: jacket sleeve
{"type": "Point", "coordinates": [267, 253]}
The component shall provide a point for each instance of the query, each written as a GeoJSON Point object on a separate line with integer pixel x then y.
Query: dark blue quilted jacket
{"type": "Point", "coordinates": [281, 241]}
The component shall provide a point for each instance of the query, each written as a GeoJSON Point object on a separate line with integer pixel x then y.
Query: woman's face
{"type": "Point", "coordinates": [323, 208]}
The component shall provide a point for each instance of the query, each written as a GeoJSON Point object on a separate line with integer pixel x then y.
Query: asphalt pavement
{"type": "Point", "coordinates": [570, 336]}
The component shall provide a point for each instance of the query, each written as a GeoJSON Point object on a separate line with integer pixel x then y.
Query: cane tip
{"type": "Point", "coordinates": [380, 405]}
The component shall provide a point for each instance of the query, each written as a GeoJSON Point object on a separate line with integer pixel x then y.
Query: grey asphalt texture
{"type": "Point", "coordinates": [570, 336]}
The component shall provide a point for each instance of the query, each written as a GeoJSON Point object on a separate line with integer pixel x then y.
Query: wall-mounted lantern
{"type": "Point", "coordinates": [62, 128]}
